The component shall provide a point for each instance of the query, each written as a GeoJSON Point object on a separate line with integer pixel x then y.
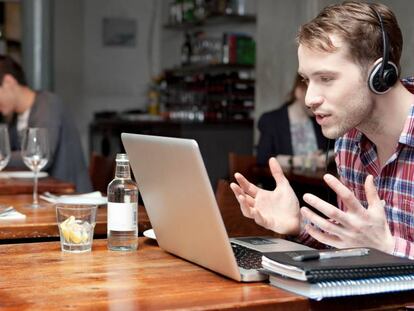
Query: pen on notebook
{"type": "Point", "coordinates": [354, 252]}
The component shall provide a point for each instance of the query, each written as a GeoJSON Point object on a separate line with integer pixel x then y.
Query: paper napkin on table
{"type": "Point", "coordinates": [84, 198]}
{"type": "Point", "coordinates": [13, 215]}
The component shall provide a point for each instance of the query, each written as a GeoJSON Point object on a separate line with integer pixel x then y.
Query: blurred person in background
{"type": "Point", "coordinates": [21, 108]}
{"type": "Point", "coordinates": [290, 133]}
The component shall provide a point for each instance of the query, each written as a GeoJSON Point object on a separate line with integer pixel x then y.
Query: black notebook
{"type": "Point", "coordinates": [376, 264]}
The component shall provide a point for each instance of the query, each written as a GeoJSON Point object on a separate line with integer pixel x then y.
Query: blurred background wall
{"type": "Point", "coordinates": [91, 76]}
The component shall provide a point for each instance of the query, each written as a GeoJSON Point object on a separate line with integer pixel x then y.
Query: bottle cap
{"type": "Point", "coordinates": [121, 157]}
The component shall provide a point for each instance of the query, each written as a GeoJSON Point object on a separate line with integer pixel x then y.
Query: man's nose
{"type": "Point", "coordinates": [313, 99]}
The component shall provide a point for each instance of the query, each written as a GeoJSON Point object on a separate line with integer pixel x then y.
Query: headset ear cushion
{"type": "Point", "coordinates": [390, 77]}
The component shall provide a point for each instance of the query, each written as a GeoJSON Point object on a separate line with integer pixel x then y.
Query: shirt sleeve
{"type": "Point", "coordinates": [403, 248]}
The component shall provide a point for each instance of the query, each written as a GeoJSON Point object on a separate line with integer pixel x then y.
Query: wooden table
{"type": "Point", "coordinates": [23, 186]}
{"type": "Point", "coordinates": [38, 276]}
{"type": "Point", "coordinates": [41, 222]}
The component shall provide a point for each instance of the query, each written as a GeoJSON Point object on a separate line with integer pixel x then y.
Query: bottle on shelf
{"type": "Point", "coordinates": [186, 50]}
{"type": "Point", "coordinates": [188, 7]}
{"type": "Point", "coordinates": [122, 208]}
{"type": "Point", "coordinates": [200, 10]}
{"type": "Point", "coordinates": [175, 15]}
{"type": "Point", "coordinates": [236, 7]}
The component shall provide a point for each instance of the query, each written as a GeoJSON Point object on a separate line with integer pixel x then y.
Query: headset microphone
{"type": "Point", "coordinates": [385, 73]}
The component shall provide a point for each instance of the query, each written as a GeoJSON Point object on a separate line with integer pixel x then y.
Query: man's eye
{"type": "Point", "coordinates": [326, 79]}
{"type": "Point", "coordinates": [306, 81]}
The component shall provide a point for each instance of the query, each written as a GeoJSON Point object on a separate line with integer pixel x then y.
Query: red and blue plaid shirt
{"type": "Point", "coordinates": [356, 158]}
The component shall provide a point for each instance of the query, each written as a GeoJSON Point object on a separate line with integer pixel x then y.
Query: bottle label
{"type": "Point", "coordinates": [122, 216]}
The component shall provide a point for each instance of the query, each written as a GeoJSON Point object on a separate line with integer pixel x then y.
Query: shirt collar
{"type": "Point", "coordinates": [409, 84]}
{"type": "Point", "coordinates": [407, 134]}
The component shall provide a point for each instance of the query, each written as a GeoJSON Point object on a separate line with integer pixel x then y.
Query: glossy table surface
{"type": "Point", "coordinates": [25, 186]}
{"type": "Point", "coordinates": [38, 276]}
{"type": "Point", "coordinates": [41, 222]}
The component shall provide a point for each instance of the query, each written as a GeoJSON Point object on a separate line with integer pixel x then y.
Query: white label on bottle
{"type": "Point", "coordinates": [122, 216]}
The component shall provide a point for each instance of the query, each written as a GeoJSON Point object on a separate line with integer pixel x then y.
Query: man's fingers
{"type": "Point", "coordinates": [236, 189]}
{"type": "Point", "coordinates": [246, 186]}
{"type": "Point", "coordinates": [245, 201]}
{"type": "Point", "coordinates": [246, 209]}
{"type": "Point", "coordinates": [343, 193]}
{"type": "Point", "coordinates": [371, 192]}
{"type": "Point", "coordinates": [324, 224]}
{"type": "Point", "coordinates": [323, 237]}
{"type": "Point", "coordinates": [276, 171]}
{"type": "Point", "coordinates": [331, 211]}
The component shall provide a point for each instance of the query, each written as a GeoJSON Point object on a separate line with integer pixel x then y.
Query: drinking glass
{"type": "Point", "coordinates": [35, 153]}
{"type": "Point", "coordinates": [76, 223]}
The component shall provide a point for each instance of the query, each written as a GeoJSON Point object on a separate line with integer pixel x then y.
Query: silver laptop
{"type": "Point", "coordinates": [183, 211]}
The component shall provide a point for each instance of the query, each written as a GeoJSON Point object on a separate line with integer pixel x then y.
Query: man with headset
{"type": "Point", "coordinates": [349, 56]}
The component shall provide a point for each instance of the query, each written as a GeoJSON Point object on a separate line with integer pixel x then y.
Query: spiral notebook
{"type": "Point", "coordinates": [340, 288]}
{"type": "Point", "coordinates": [375, 264]}
{"type": "Point", "coordinates": [375, 272]}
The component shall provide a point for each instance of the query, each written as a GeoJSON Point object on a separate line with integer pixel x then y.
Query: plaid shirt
{"type": "Point", "coordinates": [356, 157]}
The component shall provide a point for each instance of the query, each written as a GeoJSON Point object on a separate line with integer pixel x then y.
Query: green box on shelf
{"type": "Point", "coordinates": [246, 51]}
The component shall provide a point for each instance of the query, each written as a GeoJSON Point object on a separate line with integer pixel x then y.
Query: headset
{"type": "Point", "coordinates": [385, 73]}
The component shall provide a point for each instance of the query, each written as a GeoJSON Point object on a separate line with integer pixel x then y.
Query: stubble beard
{"type": "Point", "coordinates": [356, 114]}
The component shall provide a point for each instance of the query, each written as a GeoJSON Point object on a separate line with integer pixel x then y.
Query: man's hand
{"type": "Point", "coordinates": [354, 227]}
{"type": "Point", "coordinates": [277, 210]}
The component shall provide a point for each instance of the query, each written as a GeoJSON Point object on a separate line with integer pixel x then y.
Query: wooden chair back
{"type": "Point", "coordinates": [236, 224]}
{"type": "Point", "coordinates": [101, 171]}
{"type": "Point", "coordinates": [242, 163]}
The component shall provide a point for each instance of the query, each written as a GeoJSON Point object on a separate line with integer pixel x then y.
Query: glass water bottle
{"type": "Point", "coordinates": [122, 208]}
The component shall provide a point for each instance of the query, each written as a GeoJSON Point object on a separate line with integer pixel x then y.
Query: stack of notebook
{"type": "Point", "coordinates": [304, 273]}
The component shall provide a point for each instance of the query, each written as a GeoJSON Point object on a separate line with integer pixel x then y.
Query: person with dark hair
{"type": "Point", "coordinates": [290, 132]}
{"type": "Point", "coordinates": [349, 56]}
{"type": "Point", "coordinates": [21, 107]}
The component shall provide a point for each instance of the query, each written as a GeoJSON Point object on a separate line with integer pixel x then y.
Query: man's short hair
{"type": "Point", "coordinates": [356, 24]}
{"type": "Point", "coordinates": [9, 66]}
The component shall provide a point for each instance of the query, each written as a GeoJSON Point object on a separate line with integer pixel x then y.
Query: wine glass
{"type": "Point", "coordinates": [35, 153]}
{"type": "Point", "coordinates": [4, 146]}
{"type": "Point", "coordinates": [4, 153]}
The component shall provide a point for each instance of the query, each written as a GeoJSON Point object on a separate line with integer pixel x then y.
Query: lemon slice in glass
{"type": "Point", "coordinates": [76, 236]}
{"type": "Point", "coordinates": [65, 227]}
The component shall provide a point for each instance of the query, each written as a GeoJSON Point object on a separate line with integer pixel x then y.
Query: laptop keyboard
{"type": "Point", "coordinates": [247, 258]}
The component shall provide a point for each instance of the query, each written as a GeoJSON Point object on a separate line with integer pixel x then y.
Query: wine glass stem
{"type": "Point", "coordinates": [35, 200]}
